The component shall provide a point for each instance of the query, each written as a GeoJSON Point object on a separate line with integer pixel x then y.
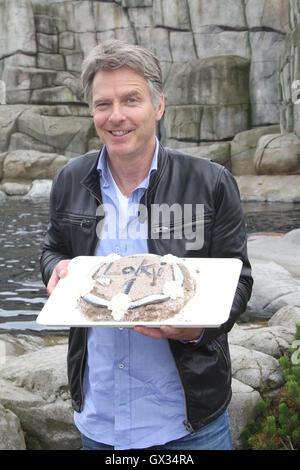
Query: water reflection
{"type": "Point", "coordinates": [22, 228]}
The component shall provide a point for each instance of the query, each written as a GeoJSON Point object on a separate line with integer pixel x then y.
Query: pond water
{"type": "Point", "coordinates": [22, 228]}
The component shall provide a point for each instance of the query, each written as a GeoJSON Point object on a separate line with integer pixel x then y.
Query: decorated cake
{"type": "Point", "coordinates": [136, 288]}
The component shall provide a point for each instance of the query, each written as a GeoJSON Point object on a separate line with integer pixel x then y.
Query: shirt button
{"type": "Point", "coordinates": [117, 250]}
{"type": "Point", "coordinates": [121, 329]}
{"type": "Point", "coordinates": [121, 366]}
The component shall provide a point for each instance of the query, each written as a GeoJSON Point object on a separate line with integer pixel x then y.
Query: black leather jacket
{"type": "Point", "coordinates": [204, 369]}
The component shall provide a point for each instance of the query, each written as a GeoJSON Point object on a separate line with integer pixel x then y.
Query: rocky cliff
{"type": "Point", "coordinates": [228, 68]}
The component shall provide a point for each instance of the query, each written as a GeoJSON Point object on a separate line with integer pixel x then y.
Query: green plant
{"type": "Point", "coordinates": [276, 426]}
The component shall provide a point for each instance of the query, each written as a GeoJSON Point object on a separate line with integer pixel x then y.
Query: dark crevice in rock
{"type": "Point", "coordinates": [18, 51]}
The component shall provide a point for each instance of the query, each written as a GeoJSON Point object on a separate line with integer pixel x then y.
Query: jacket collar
{"type": "Point", "coordinates": [91, 180]}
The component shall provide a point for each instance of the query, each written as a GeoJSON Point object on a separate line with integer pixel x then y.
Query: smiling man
{"type": "Point", "coordinates": [162, 388]}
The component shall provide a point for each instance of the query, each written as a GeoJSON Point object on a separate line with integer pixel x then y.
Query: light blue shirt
{"type": "Point", "coordinates": [133, 397]}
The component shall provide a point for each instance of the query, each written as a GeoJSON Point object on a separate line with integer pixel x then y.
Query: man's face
{"type": "Point", "coordinates": [124, 116]}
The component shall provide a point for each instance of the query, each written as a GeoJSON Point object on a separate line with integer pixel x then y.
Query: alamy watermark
{"type": "Point", "coordinates": [168, 222]}
{"type": "Point", "coordinates": [295, 358]}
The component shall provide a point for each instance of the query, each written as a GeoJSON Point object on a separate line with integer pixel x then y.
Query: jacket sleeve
{"type": "Point", "coordinates": [54, 248]}
{"type": "Point", "coordinates": [229, 240]}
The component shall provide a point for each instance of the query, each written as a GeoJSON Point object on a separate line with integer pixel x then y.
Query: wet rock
{"type": "Point", "coordinates": [40, 189]}
{"type": "Point", "coordinates": [15, 189]}
{"type": "Point", "coordinates": [2, 197]}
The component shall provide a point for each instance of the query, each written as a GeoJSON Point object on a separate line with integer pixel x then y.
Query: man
{"type": "Point", "coordinates": [165, 388]}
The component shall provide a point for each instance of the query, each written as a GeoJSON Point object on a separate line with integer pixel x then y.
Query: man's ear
{"type": "Point", "coordinates": [160, 108]}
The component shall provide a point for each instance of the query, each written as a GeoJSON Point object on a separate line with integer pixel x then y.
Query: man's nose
{"type": "Point", "coordinates": [116, 113]}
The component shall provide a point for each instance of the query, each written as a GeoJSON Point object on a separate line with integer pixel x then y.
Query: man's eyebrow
{"type": "Point", "coordinates": [131, 93]}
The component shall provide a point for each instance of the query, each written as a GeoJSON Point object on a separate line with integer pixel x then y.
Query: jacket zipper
{"type": "Point", "coordinates": [166, 229]}
{"type": "Point", "coordinates": [77, 221]}
{"type": "Point", "coordinates": [186, 422]}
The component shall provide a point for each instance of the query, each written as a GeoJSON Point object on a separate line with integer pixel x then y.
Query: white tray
{"type": "Point", "coordinates": [216, 285]}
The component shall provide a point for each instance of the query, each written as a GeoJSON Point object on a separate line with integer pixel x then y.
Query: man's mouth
{"type": "Point", "coordinates": [119, 133]}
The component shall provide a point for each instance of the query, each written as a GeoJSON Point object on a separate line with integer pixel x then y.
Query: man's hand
{"type": "Point", "coordinates": [168, 332]}
{"type": "Point", "coordinates": [60, 271]}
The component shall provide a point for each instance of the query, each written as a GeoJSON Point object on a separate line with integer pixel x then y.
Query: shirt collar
{"type": "Point", "coordinates": [104, 172]}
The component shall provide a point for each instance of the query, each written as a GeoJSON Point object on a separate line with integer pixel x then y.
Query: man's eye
{"type": "Point", "coordinates": [101, 105]}
{"type": "Point", "coordinates": [132, 100]}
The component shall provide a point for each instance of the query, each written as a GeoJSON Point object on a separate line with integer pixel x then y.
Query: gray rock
{"type": "Point", "coordinates": [48, 24]}
{"type": "Point", "coordinates": [218, 152]}
{"type": "Point", "coordinates": [3, 197]}
{"type": "Point", "coordinates": [265, 109]}
{"type": "Point", "coordinates": [50, 61]}
{"type": "Point", "coordinates": [39, 397]}
{"type": "Point", "coordinates": [47, 43]}
{"type": "Point", "coordinates": [261, 371]}
{"type": "Point", "coordinates": [66, 40]}
{"type": "Point", "coordinates": [40, 189]}
{"type": "Point", "coordinates": [269, 188]}
{"type": "Point", "coordinates": [277, 155]}
{"type": "Point", "coordinates": [241, 409]}
{"type": "Point", "coordinates": [271, 340]}
{"type": "Point", "coordinates": [266, 14]}
{"type": "Point", "coordinates": [8, 120]}
{"type": "Point", "coordinates": [182, 46]}
{"type": "Point", "coordinates": [11, 434]}
{"type": "Point", "coordinates": [17, 28]}
{"type": "Point", "coordinates": [61, 129]}
{"type": "Point", "coordinates": [215, 81]}
{"type": "Point", "coordinates": [171, 14]}
{"type": "Point", "coordinates": [115, 18]}
{"type": "Point", "coordinates": [19, 141]}
{"type": "Point", "coordinates": [283, 250]}
{"type": "Point", "coordinates": [213, 13]}
{"type": "Point", "coordinates": [16, 345]}
{"type": "Point", "coordinates": [217, 42]}
{"type": "Point", "coordinates": [12, 188]}
{"type": "Point", "coordinates": [243, 149]}
{"type": "Point", "coordinates": [31, 164]}
{"type": "Point", "coordinates": [203, 104]}
{"type": "Point", "coordinates": [273, 288]}
{"type": "Point", "coordinates": [287, 316]}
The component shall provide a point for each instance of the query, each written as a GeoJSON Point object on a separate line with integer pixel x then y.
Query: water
{"type": "Point", "coordinates": [22, 228]}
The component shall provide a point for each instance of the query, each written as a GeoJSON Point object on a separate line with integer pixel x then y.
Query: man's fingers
{"type": "Point", "coordinates": [169, 332]}
{"type": "Point", "coordinates": [60, 271]}
{"type": "Point", "coordinates": [52, 282]}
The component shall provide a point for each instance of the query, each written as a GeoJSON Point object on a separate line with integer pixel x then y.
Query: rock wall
{"type": "Point", "coordinates": [290, 74]}
{"type": "Point", "coordinates": [44, 42]}
{"type": "Point", "coordinates": [220, 59]}
{"type": "Point", "coordinates": [280, 153]}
